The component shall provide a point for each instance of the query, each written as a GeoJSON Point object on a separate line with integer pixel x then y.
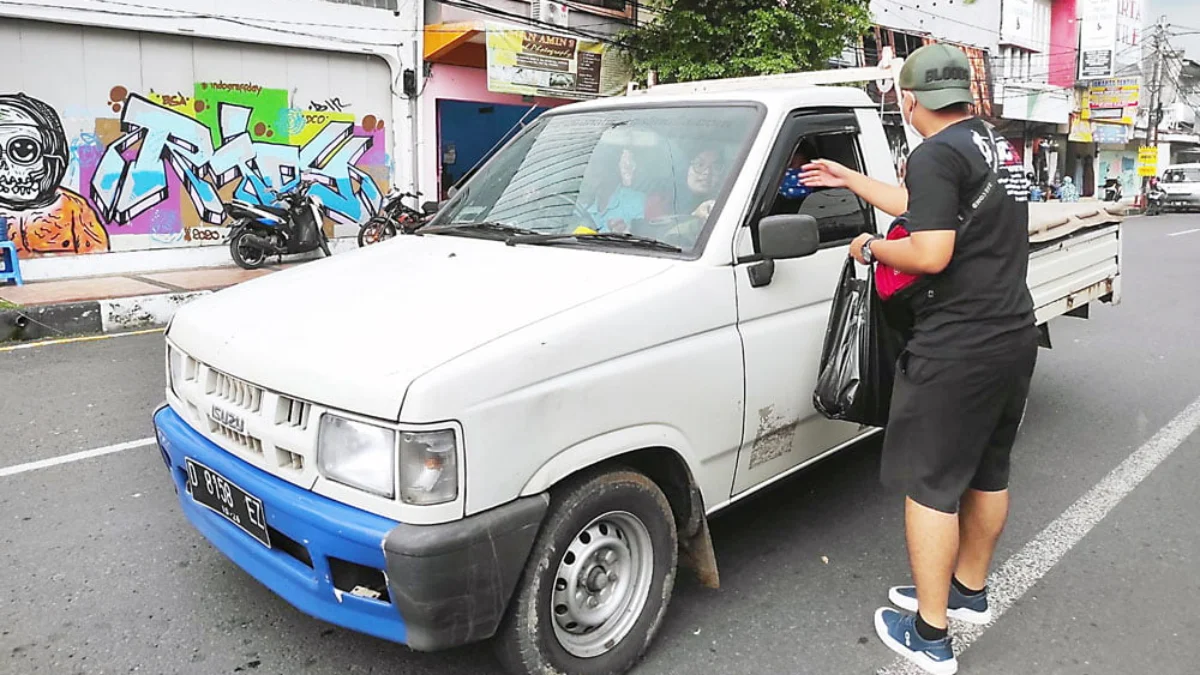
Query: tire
{"type": "Point", "coordinates": [246, 256]}
{"type": "Point", "coordinates": [609, 538]}
{"type": "Point", "coordinates": [375, 231]}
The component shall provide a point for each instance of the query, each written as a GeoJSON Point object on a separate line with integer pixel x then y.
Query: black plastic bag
{"type": "Point", "coordinates": [858, 359]}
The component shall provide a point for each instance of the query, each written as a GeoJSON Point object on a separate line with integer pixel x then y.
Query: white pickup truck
{"type": "Point", "coordinates": [513, 424]}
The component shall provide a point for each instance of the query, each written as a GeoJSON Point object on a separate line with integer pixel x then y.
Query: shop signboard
{"type": "Point", "coordinates": [1097, 38]}
{"type": "Point", "coordinates": [1112, 100]}
{"type": "Point", "coordinates": [1110, 134]}
{"type": "Point", "coordinates": [539, 63]}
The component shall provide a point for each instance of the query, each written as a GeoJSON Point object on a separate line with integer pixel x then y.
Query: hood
{"type": "Point", "coordinates": [352, 331]}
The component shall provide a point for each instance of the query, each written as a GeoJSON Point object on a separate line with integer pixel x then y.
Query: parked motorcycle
{"type": "Point", "coordinates": [1112, 190]}
{"type": "Point", "coordinates": [1156, 198]}
{"type": "Point", "coordinates": [394, 217]}
{"type": "Point", "coordinates": [290, 227]}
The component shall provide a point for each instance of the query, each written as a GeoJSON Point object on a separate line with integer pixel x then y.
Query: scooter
{"type": "Point", "coordinates": [1112, 190]}
{"type": "Point", "coordinates": [293, 226]}
{"type": "Point", "coordinates": [1156, 197]}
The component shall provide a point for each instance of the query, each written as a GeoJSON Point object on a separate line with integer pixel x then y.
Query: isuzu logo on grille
{"type": "Point", "coordinates": [228, 420]}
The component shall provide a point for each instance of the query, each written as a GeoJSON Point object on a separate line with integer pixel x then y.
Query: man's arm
{"type": "Point", "coordinates": [919, 253]}
{"type": "Point", "coordinates": [891, 199]}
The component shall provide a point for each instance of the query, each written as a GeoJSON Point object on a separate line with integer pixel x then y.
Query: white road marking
{"type": "Point", "coordinates": [75, 457]}
{"type": "Point", "coordinates": [1180, 234]}
{"type": "Point", "coordinates": [72, 340]}
{"type": "Point", "coordinates": [1020, 572]}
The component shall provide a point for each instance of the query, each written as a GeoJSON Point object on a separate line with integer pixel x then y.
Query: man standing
{"type": "Point", "coordinates": [961, 384]}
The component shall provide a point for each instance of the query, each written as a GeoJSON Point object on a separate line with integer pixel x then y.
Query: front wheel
{"type": "Point", "coordinates": [248, 256]}
{"type": "Point", "coordinates": [597, 586]}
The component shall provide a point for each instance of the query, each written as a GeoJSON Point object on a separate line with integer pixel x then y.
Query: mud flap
{"type": "Point", "coordinates": [696, 553]}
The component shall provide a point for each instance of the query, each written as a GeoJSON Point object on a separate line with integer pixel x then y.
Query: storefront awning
{"type": "Point", "coordinates": [461, 43]}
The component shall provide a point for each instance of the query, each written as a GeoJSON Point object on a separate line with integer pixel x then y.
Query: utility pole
{"type": "Point", "coordinates": [1155, 87]}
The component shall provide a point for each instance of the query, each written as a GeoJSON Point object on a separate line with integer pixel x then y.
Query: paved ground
{"type": "Point", "coordinates": [124, 285]}
{"type": "Point", "coordinates": [101, 574]}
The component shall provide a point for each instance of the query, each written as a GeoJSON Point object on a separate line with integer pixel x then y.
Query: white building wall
{"type": "Point", "coordinates": [167, 115]}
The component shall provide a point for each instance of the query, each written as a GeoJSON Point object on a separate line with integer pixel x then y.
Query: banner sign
{"type": "Point", "coordinates": [536, 63]}
{"type": "Point", "coordinates": [1147, 161]}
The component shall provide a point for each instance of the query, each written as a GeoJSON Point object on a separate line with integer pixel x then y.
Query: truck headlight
{"type": "Point", "coordinates": [357, 454]}
{"type": "Point", "coordinates": [428, 467]}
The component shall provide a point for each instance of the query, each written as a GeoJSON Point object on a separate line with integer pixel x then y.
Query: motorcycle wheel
{"type": "Point", "coordinates": [246, 255]}
{"type": "Point", "coordinates": [375, 231]}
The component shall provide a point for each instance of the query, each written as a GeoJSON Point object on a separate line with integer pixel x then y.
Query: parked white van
{"type": "Point", "coordinates": [1181, 183]}
{"type": "Point", "coordinates": [513, 423]}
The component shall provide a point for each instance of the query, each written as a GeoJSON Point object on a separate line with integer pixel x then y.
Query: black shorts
{"type": "Point", "coordinates": [953, 423]}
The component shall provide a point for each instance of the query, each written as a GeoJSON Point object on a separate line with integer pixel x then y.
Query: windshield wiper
{"type": "Point", "coordinates": [606, 237]}
{"type": "Point", "coordinates": [483, 226]}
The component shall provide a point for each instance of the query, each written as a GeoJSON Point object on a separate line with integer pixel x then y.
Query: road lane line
{"type": "Point", "coordinates": [75, 457]}
{"type": "Point", "coordinates": [1020, 572]}
{"type": "Point", "coordinates": [1180, 234]}
{"type": "Point", "coordinates": [85, 338]}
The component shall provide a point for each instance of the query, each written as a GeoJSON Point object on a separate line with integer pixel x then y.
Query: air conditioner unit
{"type": "Point", "coordinates": [548, 11]}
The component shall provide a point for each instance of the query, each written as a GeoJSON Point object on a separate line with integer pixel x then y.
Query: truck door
{"type": "Point", "coordinates": [782, 323]}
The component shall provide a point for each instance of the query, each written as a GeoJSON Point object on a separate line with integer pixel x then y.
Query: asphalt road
{"type": "Point", "coordinates": [100, 573]}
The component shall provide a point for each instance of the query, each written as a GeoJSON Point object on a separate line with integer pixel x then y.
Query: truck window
{"type": "Point", "coordinates": [655, 172]}
{"type": "Point", "coordinates": [1188, 175]}
{"type": "Point", "coordinates": [840, 214]}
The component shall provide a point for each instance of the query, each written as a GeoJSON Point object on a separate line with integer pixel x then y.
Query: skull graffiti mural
{"type": "Point", "coordinates": [41, 215]}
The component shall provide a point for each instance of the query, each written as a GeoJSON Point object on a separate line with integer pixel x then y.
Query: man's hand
{"type": "Point", "coordinates": [856, 247]}
{"type": "Point", "coordinates": [825, 173]}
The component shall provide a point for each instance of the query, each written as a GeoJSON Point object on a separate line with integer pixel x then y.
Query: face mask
{"type": "Point", "coordinates": [908, 118]}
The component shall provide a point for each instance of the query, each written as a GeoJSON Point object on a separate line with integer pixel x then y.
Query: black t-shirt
{"type": "Point", "coordinates": [980, 305]}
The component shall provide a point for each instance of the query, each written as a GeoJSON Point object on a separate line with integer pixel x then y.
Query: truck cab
{"type": "Point", "coordinates": [515, 423]}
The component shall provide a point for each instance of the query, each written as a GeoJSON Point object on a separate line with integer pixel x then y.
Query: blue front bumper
{"type": "Point", "coordinates": [316, 528]}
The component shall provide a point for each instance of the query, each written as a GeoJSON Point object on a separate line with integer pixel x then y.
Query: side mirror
{"type": "Point", "coordinates": [788, 236]}
{"type": "Point", "coordinates": [432, 207]}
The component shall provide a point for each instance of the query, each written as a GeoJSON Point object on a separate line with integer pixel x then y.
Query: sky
{"type": "Point", "coordinates": [1180, 14]}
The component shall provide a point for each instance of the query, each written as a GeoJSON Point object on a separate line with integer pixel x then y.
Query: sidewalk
{"type": "Point", "coordinates": [109, 304]}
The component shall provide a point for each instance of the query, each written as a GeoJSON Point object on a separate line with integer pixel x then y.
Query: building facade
{"type": "Point", "coordinates": [148, 118]}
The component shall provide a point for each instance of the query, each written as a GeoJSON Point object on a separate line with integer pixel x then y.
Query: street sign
{"type": "Point", "coordinates": [1147, 161]}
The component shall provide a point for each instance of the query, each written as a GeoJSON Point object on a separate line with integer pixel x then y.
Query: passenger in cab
{"type": "Point", "coordinates": [615, 203]}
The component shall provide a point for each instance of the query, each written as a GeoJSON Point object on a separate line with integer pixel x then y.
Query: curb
{"type": "Point", "coordinates": [114, 315]}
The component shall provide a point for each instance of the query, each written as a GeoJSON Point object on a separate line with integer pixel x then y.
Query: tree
{"type": "Point", "coordinates": [705, 39]}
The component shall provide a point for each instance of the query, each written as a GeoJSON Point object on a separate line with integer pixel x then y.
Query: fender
{"type": "Point", "coordinates": [606, 446]}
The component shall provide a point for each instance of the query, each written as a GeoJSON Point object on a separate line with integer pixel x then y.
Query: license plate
{"type": "Point", "coordinates": [216, 492]}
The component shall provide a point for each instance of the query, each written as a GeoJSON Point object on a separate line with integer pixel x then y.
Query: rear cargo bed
{"type": "Point", "coordinates": [1075, 259]}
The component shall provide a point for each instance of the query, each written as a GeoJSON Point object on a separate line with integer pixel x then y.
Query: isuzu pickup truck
{"type": "Point", "coordinates": [515, 424]}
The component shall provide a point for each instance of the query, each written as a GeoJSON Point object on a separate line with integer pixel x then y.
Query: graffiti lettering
{"type": "Point", "coordinates": [204, 234]}
{"type": "Point", "coordinates": [234, 86]}
{"type": "Point", "coordinates": [331, 104]}
{"type": "Point", "coordinates": [132, 175]}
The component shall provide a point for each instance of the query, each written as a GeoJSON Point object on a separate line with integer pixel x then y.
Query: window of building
{"type": "Point", "coordinates": [618, 8]}
{"type": "Point", "coordinates": [841, 215]}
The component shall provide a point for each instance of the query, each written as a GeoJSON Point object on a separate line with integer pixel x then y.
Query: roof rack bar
{"type": "Point", "coordinates": [834, 76]}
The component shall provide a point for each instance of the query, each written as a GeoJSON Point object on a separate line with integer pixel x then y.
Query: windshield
{"type": "Point", "coordinates": [1182, 176]}
{"type": "Point", "coordinates": [653, 173]}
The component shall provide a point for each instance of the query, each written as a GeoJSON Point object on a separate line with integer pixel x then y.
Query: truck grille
{"type": "Point", "coordinates": [269, 430]}
{"type": "Point", "coordinates": [235, 392]}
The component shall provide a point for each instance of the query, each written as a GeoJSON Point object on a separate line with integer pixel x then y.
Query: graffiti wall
{"type": "Point", "coordinates": [135, 168]}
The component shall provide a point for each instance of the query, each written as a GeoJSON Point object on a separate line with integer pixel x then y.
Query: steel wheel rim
{"type": "Point", "coordinates": [602, 584]}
